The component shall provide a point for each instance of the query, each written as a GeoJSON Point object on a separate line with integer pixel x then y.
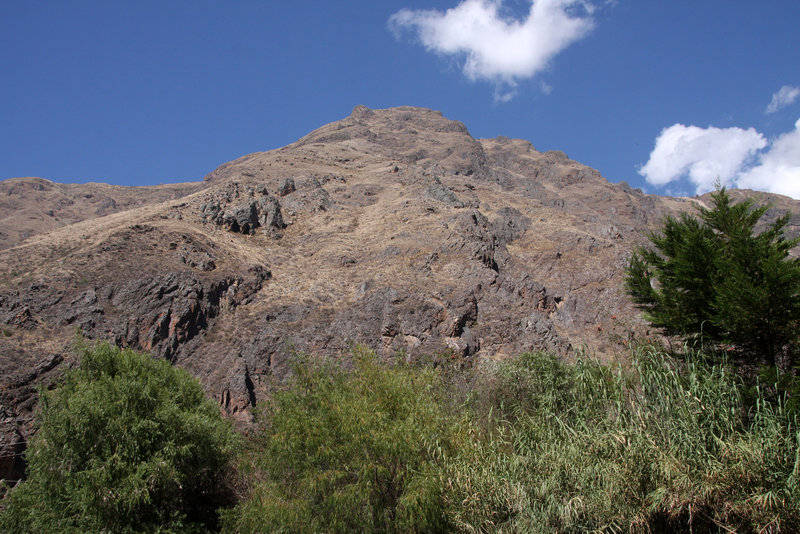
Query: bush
{"type": "Point", "coordinates": [661, 446]}
{"type": "Point", "coordinates": [126, 443]}
{"type": "Point", "coordinates": [347, 451]}
{"type": "Point", "coordinates": [717, 280]}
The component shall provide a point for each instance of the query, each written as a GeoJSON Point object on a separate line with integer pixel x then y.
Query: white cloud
{"type": "Point", "coordinates": [737, 157]}
{"type": "Point", "coordinates": [704, 155]}
{"type": "Point", "coordinates": [778, 169]}
{"type": "Point", "coordinates": [785, 96]}
{"type": "Point", "coordinates": [495, 48]}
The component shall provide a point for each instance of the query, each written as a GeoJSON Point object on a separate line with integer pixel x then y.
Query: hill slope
{"type": "Point", "coordinates": [32, 206]}
{"type": "Point", "coordinates": [393, 228]}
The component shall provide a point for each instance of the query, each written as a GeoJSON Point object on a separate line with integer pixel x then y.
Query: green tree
{"type": "Point", "coordinates": [716, 279]}
{"type": "Point", "coordinates": [126, 443]}
{"type": "Point", "coordinates": [347, 451]}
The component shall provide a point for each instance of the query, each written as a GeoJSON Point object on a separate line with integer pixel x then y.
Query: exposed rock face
{"type": "Point", "coordinates": [393, 228]}
{"type": "Point", "coordinates": [244, 213]}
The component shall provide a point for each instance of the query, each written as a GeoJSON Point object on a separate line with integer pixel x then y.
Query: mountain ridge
{"type": "Point", "coordinates": [393, 228]}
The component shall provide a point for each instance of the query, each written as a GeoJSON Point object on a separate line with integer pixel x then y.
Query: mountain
{"type": "Point", "coordinates": [393, 228]}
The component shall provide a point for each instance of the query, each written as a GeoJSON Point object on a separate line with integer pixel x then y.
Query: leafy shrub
{"type": "Point", "coordinates": [126, 443]}
{"type": "Point", "coordinates": [347, 451]}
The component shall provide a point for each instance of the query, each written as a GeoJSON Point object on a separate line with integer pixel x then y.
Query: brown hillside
{"type": "Point", "coordinates": [31, 206]}
{"type": "Point", "coordinates": [393, 228]}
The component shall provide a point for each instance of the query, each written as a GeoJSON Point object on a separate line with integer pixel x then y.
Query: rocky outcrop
{"type": "Point", "coordinates": [171, 310]}
{"type": "Point", "coordinates": [19, 382]}
{"type": "Point", "coordinates": [243, 210]}
{"type": "Point", "coordinates": [12, 448]}
{"type": "Point", "coordinates": [154, 305]}
{"type": "Point", "coordinates": [442, 193]}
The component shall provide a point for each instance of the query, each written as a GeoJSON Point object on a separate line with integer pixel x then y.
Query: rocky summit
{"type": "Point", "coordinates": [391, 228]}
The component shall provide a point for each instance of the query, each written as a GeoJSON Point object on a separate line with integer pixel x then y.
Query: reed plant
{"type": "Point", "coordinates": [661, 445]}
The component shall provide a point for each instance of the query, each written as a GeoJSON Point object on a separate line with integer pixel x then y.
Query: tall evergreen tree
{"type": "Point", "coordinates": [716, 279]}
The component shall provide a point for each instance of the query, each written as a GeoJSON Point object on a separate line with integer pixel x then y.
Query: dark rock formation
{"type": "Point", "coordinates": [243, 212]}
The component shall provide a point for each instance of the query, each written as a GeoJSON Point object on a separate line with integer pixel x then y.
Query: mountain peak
{"type": "Point", "coordinates": [402, 135]}
{"type": "Point", "coordinates": [388, 125]}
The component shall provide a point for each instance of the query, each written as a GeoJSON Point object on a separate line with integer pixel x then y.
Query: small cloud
{"type": "Point", "coordinates": [504, 95]}
{"type": "Point", "coordinates": [785, 96]}
{"type": "Point", "coordinates": [704, 155]}
{"type": "Point", "coordinates": [735, 157]}
{"type": "Point", "coordinates": [495, 48]}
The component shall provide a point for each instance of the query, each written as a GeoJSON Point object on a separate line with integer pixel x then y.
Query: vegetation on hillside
{"type": "Point", "coordinates": [537, 445]}
{"type": "Point", "coordinates": [348, 450]}
{"type": "Point", "coordinates": [126, 443]}
{"type": "Point", "coordinates": [531, 444]}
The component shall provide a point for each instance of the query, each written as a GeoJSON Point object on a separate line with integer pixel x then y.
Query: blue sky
{"type": "Point", "coordinates": [666, 95]}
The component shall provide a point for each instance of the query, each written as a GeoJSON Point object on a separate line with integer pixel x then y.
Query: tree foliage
{"type": "Point", "coordinates": [716, 279]}
{"type": "Point", "coordinates": [347, 451]}
{"type": "Point", "coordinates": [126, 443]}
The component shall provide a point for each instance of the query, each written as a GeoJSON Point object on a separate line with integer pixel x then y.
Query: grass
{"type": "Point", "coordinates": [662, 446]}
